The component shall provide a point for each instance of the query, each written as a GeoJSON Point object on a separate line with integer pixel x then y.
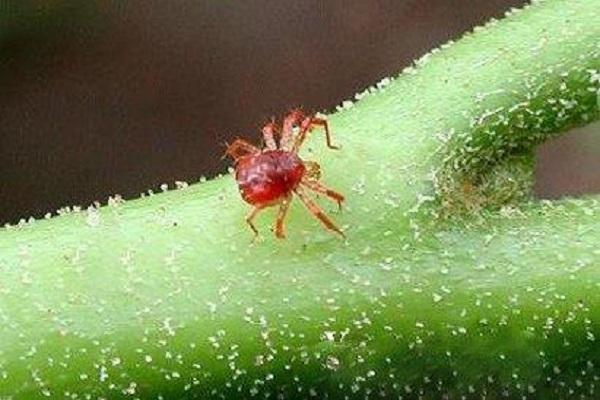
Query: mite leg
{"type": "Point", "coordinates": [292, 120]}
{"type": "Point", "coordinates": [306, 126]}
{"type": "Point", "coordinates": [240, 148]}
{"type": "Point", "coordinates": [324, 190]}
{"type": "Point", "coordinates": [313, 171]}
{"type": "Point", "coordinates": [269, 131]}
{"type": "Point", "coordinates": [283, 209]}
{"type": "Point", "coordinates": [317, 212]}
{"type": "Point", "coordinates": [250, 217]}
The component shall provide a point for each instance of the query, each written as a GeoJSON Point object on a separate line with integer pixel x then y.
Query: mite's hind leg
{"type": "Point", "coordinates": [324, 190]}
{"type": "Point", "coordinates": [283, 209]}
{"type": "Point", "coordinates": [317, 212]}
{"type": "Point", "coordinates": [250, 218]}
{"type": "Point", "coordinates": [240, 148]}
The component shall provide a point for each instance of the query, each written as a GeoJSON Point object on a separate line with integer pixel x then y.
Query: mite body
{"type": "Point", "coordinates": [273, 175]}
{"type": "Point", "coordinates": [269, 176]}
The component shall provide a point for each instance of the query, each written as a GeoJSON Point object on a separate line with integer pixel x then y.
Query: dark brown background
{"type": "Point", "coordinates": [105, 97]}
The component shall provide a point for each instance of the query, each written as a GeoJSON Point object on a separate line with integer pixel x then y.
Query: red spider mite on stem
{"type": "Point", "coordinates": [273, 175]}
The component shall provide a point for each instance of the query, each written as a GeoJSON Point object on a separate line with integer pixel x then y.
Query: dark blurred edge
{"type": "Point", "coordinates": [569, 165]}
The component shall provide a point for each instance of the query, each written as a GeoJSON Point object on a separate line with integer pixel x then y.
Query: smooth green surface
{"type": "Point", "coordinates": [165, 296]}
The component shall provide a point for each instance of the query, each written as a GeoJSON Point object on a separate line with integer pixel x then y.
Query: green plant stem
{"type": "Point", "coordinates": [164, 297]}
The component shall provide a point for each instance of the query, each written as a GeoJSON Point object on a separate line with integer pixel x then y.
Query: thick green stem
{"type": "Point", "coordinates": [165, 297]}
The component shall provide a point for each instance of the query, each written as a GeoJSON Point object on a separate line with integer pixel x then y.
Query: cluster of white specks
{"type": "Point", "coordinates": [63, 210]}
{"type": "Point", "coordinates": [167, 328]}
{"type": "Point", "coordinates": [384, 83]}
{"type": "Point", "coordinates": [421, 200]}
{"type": "Point", "coordinates": [92, 218]}
{"type": "Point", "coordinates": [410, 70]}
{"type": "Point", "coordinates": [115, 201]}
{"type": "Point", "coordinates": [415, 228]}
{"type": "Point", "coordinates": [419, 63]}
{"type": "Point", "coordinates": [328, 336]}
{"type": "Point", "coordinates": [378, 87]}
{"type": "Point", "coordinates": [130, 390]}
{"type": "Point", "coordinates": [103, 374]}
{"type": "Point", "coordinates": [332, 362]}
{"type": "Point", "coordinates": [346, 105]}
{"type": "Point", "coordinates": [387, 264]}
{"type": "Point", "coordinates": [180, 185]}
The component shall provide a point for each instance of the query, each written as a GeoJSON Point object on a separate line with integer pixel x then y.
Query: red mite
{"type": "Point", "coordinates": [271, 176]}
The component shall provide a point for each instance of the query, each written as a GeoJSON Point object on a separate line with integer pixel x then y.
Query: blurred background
{"type": "Point", "coordinates": [106, 96]}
